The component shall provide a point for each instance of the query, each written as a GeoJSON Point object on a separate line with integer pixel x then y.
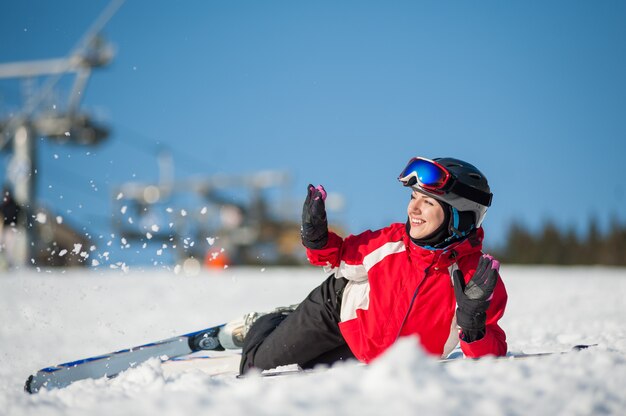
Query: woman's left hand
{"type": "Point", "coordinates": [473, 299]}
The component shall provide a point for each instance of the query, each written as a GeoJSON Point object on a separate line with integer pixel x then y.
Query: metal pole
{"type": "Point", "coordinates": [22, 173]}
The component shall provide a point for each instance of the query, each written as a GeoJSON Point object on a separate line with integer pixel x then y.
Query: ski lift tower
{"type": "Point", "coordinates": [66, 125]}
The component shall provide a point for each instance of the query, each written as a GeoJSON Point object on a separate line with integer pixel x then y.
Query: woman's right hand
{"type": "Point", "coordinates": [314, 230]}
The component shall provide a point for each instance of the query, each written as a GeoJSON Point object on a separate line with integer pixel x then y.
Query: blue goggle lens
{"type": "Point", "coordinates": [428, 173]}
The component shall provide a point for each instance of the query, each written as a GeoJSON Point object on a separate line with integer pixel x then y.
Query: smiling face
{"type": "Point", "coordinates": [425, 215]}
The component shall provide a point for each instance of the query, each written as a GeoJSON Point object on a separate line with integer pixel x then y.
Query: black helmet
{"type": "Point", "coordinates": [465, 189]}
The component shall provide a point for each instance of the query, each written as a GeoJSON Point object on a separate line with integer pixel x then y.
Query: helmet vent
{"type": "Point", "coordinates": [475, 176]}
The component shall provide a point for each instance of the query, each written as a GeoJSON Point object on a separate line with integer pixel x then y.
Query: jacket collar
{"type": "Point", "coordinates": [444, 257]}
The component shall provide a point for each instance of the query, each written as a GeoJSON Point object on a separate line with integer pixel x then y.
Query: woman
{"type": "Point", "coordinates": [426, 277]}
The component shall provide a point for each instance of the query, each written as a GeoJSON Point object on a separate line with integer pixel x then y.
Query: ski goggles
{"type": "Point", "coordinates": [433, 177]}
{"type": "Point", "coordinates": [427, 173]}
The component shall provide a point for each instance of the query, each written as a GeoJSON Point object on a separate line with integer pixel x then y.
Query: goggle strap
{"type": "Point", "coordinates": [471, 193]}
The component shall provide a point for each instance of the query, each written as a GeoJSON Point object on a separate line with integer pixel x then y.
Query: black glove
{"type": "Point", "coordinates": [473, 299]}
{"type": "Point", "coordinates": [314, 230]}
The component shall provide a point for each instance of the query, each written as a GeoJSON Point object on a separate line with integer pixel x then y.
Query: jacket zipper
{"type": "Point", "coordinates": [412, 301]}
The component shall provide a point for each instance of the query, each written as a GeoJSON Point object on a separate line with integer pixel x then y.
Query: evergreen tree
{"type": "Point", "coordinates": [550, 245]}
{"type": "Point", "coordinates": [593, 243]}
{"type": "Point", "coordinates": [553, 246]}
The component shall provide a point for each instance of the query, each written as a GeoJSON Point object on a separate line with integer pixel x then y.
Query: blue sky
{"type": "Point", "coordinates": [343, 94]}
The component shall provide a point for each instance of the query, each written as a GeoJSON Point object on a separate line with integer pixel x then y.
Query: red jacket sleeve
{"type": "Point", "coordinates": [353, 249]}
{"type": "Point", "coordinates": [329, 255]}
{"type": "Point", "coordinates": [494, 341]}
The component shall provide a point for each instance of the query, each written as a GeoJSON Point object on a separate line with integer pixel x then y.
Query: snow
{"type": "Point", "coordinates": [62, 315]}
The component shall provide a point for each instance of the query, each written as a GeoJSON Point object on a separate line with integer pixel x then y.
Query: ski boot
{"type": "Point", "coordinates": [206, 340]}
{"type": "Point", "coordinates": [232, 335]}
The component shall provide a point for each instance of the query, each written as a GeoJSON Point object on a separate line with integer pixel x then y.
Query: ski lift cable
{"type": "Point", "coordinates": [150, 145]}
{"type": "Point", "coordinates": [77, 216]}
{"type": "Point", "coordinates": [73, 181]}
{"type": "Point", "coordinates": [73, 189]}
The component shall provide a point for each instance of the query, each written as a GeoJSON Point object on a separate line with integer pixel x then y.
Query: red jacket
{"type": "Point", "coordinates": [385, 270]}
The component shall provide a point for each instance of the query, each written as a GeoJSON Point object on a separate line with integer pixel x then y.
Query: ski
{"type": "Point", "coordinates": [457, 358]}
{"type": "Point", "coordinates": [180, 349]}
{"type": "Point", "coordinates": [521, 355]}
{"type": "Point", "coordinates": [110, 365]}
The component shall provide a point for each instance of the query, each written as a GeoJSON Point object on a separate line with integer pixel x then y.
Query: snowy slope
{"type": "Point", "coordinates": [48, 318]}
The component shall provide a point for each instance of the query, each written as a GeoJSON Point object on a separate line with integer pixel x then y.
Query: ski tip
{"type": "Point", "coordinates": [28, 385]}
{"type": "Point", "coordinates": [582, 346]}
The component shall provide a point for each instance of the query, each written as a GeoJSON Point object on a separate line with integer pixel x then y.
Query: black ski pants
{"type": "Point", "coordinates": [307, 336]}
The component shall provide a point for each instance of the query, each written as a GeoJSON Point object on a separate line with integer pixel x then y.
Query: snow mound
{"type": "Point", "coordinates": [399, 382]}
{"type": "Point", "coordinates": [63, 317]}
